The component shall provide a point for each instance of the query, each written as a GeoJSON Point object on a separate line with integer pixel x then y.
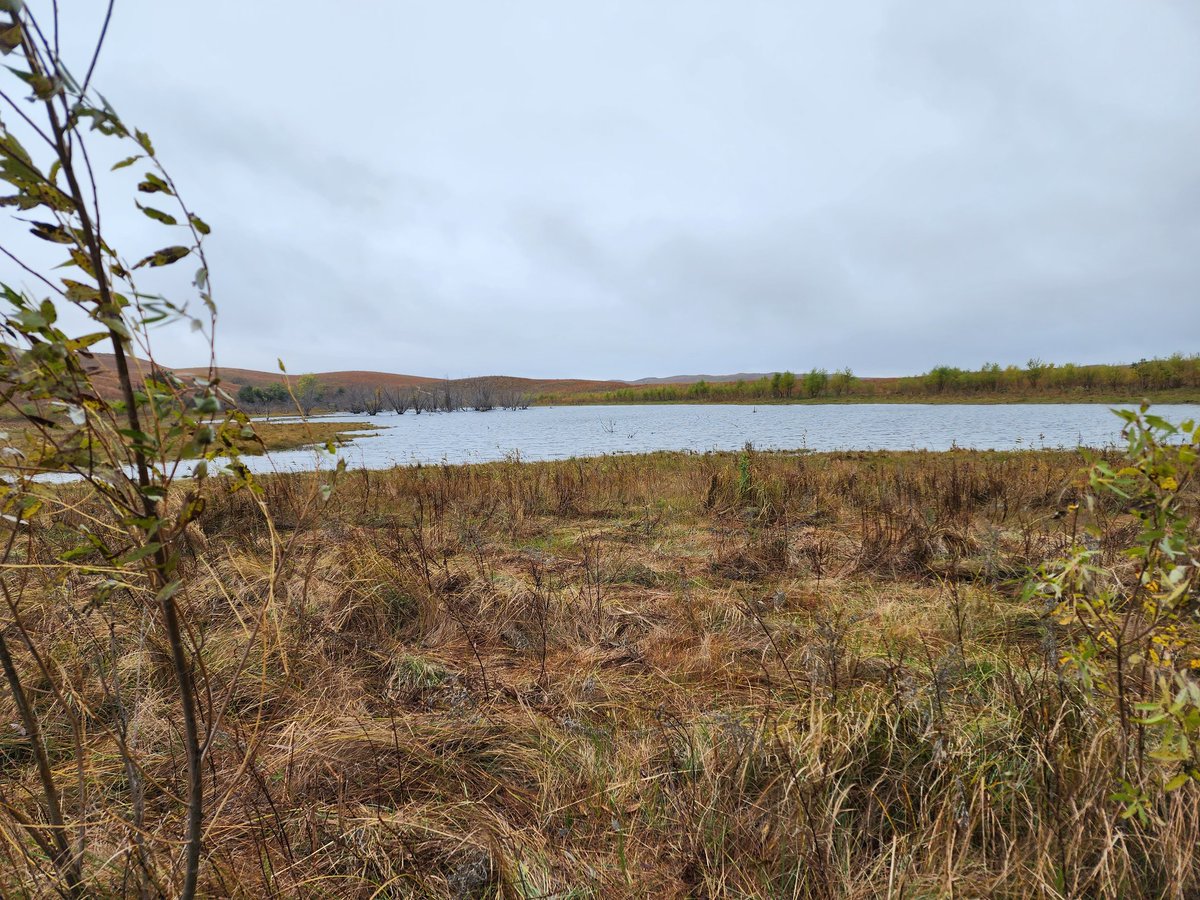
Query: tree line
{"type": "Point", "coordinates": [1035, 378]}
{"type": "Point", "coordinates": [1159, 374]}
{"type": "Point", "coordinates": [778, 386]}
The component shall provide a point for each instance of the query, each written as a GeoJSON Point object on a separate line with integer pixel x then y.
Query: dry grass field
{"type": "Point", "coordinates": [756, 675]}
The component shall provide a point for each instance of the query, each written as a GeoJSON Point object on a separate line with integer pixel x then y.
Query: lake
{"type": "Point", "coordinates": [560, 432]}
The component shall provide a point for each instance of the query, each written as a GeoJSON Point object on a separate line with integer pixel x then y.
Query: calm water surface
{"type": "Point", "coordinates": [560, 432]}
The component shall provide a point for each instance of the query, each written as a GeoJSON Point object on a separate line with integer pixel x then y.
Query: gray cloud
{"type": "Point", "coordinates": [626, 189]}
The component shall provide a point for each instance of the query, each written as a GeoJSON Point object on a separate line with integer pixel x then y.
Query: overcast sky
{"type": "Point", "coordinates": [622, 189]}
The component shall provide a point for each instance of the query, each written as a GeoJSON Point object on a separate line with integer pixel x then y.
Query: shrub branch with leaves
{"type": "Point", "coordinates": [1134, 622]}
{"type": "Point", "coordinates": [127, 437]}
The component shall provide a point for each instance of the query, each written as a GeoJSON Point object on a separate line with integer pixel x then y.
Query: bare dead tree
{"type": "Point", "coordinates": [483, 400]}
{"type": "Point", "coordinates": [398, 400]}
{"type": "Point", "coordinates": [448, 399]}
{"type": "Point", "coordinates": [354, 400]}
{"type": "Point", "coordinates": [373, 401]}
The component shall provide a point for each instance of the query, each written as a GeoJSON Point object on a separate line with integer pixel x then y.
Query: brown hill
{"type": "Point", "coordinates": [239, 377]}
{"type": "Point", "coordinates": [350, 379]}
{"type": "Point", "coordinates": [104, 368]}
{"type": "Point", "coordinates": [234, 378]}
{"type": "Point", "coordinates": [536, 386]}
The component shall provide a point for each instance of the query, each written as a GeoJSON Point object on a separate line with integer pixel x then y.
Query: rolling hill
{"type": "Point", "coordinates": [104, 365]}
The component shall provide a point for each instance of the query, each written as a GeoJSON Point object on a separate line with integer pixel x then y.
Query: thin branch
{"type": "Point", "coordinates": [87, 79]}
{"type": "Point", "coordinates": [28, 121]}
{"type": "Point", "coordinates": [38, 275]}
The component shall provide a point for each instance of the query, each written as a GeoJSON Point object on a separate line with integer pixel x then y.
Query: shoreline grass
{"type": "Point", "coordinates": [277, 436]}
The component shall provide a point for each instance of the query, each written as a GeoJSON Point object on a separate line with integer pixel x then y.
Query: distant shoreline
{"type": "Point", "coordinates": [1182, 396]}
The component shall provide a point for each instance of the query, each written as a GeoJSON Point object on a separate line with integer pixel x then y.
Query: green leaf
{"type": "Point", "coordinates": [138, 437]}
{"type": "Point", "coordinates": [53, 233]}
{"type": "Point", "coordinates": [168, 591]}
{"type": "Point", "coordinates": [20, 201]}
{"type": "Point", "coordinates": [144, 140]}
{"type": "Point", "coordinates": [103, 120]}
{"type": "Point", "coordinates": [10, 38]}
{"type": "Point", "coordinates": [17, 166]}
{"type": "Point", "coordinates": [158, 215]}
{"type": "Point", "coordinates": [199, 224]}
{"type": "Point", "coordinates": [80, 259]}
{"type": "Point", "coordinates": [192, 509]}
{"type": "Point", "coordinates": [1166, 754]}
{"type": "Point", "coordinates": [152, 184]}
{"type": "Point", "coordinates": [164, 257]}
{"type": "Point", "coordinates": [127, 161]}
{"type": "Point", "coordinates": [13, 147]}
{"type": "Point", "coordinates": [44, 88]}
{"type": "Point", "coordinates": [31, 319]}
{"type": "Point", "coordinates": [36, 194]}
{"type": "Point", "coordinates": [115, 324]}
{"type": "Point", "coordinates": [206, 405]}
{"type": "Point", "coordinates": [80, 293]}
{"type": "Point", "coordinates": [1177, 782]}
{"type": "Point", "coordinates": [82, 343]}
{"type": "Point", "coordinates": [139, 553]}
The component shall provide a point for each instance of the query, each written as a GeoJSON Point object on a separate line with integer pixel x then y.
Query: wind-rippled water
{"type": "Point", "coordinates": [561, 432]}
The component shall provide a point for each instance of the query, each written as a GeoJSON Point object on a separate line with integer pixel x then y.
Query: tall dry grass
{"type": "Point", "coordinates": [668, 675]}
